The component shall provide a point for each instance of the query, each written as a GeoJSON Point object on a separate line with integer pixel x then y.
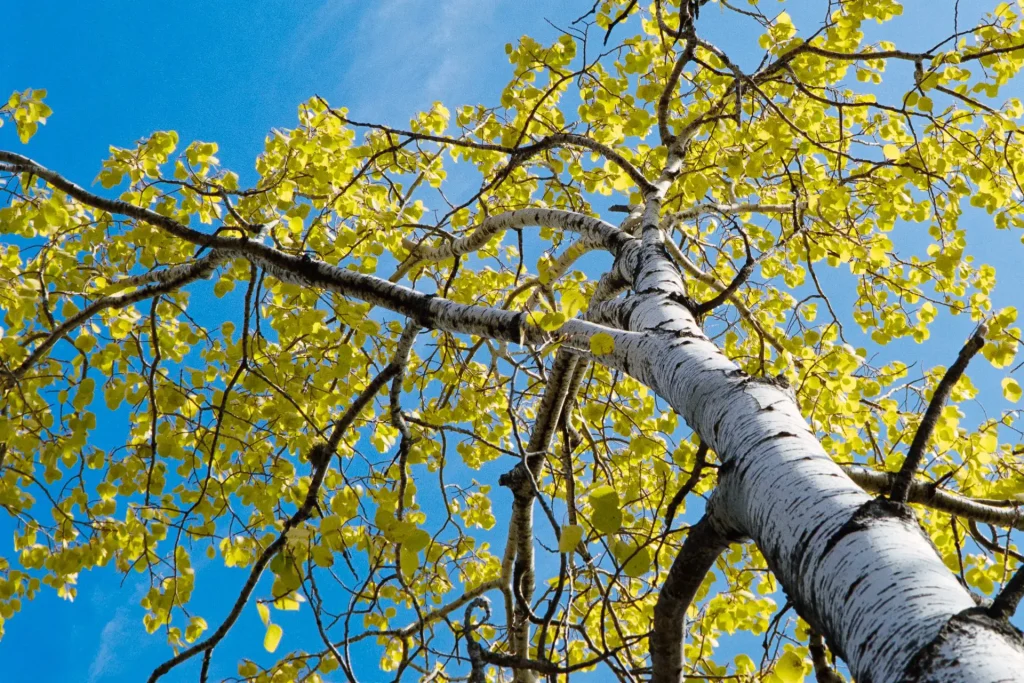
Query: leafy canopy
{"type": "Point", "coordinates": [149, 419]}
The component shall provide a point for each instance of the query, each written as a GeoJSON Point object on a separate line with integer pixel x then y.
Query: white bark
{"type": "Point", "coordinates": [593, 232]}
{"type": "Point", "coordinates": [860, 571]}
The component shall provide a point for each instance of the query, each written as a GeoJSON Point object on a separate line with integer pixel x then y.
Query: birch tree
{"type": "Point", "coordinates": [599, 378]}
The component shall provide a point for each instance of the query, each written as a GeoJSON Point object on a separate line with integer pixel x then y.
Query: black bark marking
{"type": "Point", "coordinates": [626, 312]}
{"type": "Point", "coordinates": [867, 515]}
{"type": "Point", "coordinates": [928, 660]}
{"type": "Point", "coordinates": [853, 587]}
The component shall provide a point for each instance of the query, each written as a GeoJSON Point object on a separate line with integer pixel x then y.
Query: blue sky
{"type": "Point", "coordinates": [219, 71]}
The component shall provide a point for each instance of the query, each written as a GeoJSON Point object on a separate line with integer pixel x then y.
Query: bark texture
{"type": "Point", "coordinates": [858, 569]}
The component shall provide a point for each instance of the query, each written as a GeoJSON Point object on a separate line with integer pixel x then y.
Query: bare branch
{"type": "Point", "coordinates": [702, 546]}
{"type": "Point", "coordinates": [901, 484]}
{"type": "Point", "coordinates": [929, 495]}
{"type": "Point", "coordinates": [700, 459]}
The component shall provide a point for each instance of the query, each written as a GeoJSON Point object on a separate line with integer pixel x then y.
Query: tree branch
{"type": "Point", "coordinates": [320, 457]}
{"type": "Point", "coordinates": [730, 289]}
{"type": "Point", "coordinates": [928, 494]}
{"type": "Point", "coordinates": [823, 673]}
{"type": "Point", "coordinates": [702, 546]}
{"type": "Point", "coordinates": [901, 484]}
{"type": "Point", "coordinates": [1005, 604]}
{"type": "Point", "coordinates": [593, 230]}
{"type": "Point", "coordinates": [700, 460]}
{"type": "Point", "coordinates": [169, 280]}
{"type": "Point", "coordinates": [427, 310]}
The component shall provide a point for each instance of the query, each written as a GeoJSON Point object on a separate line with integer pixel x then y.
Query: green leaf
{"type": "Point", "coordinates": [607, 520]}
{"type": "Point", "coordinates": [639, 564]}
{"type": "Point", "coordinates": [604, 496]}
{"type": "Point", "coordinates": [289, 602]}
{"type": "Point", "coordinates": [790, 668]}
{"type": "Point", "coordinates": [571, 536]}
{"type": "Point", "coordinates": [416, 540]}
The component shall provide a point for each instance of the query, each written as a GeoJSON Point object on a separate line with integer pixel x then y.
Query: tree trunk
{"type": "Point", "coordinates": [858, 569]}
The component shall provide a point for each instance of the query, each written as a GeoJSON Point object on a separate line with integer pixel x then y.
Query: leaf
{"type": "Point", "coordinates": [604, 496]}
{"type": "Point", "coordinates": [1011, 389]}
{"type": "Point", "coordinates": [571, 536]}
{"type": "Point", "coordinates": [891, 152]}
{"type": "Point", "coordinates": [549, 322]}
{"type": "Point", "coordinates": [273, 637]}
{"type": "Point", "coordinates": [289, 602]}
{"type": "Point", "coordinates": [639, 564]}
{"type": "Point", "coordinates": [607, 520]}
{"type": "Point", "coordinates": [790, 668]}
{"type": "Point", "coordinates": [416, 540]}
{"type": "Point", "coordinates": [264, 613]}
{"type": "Point", "coordinates": [602, 344]}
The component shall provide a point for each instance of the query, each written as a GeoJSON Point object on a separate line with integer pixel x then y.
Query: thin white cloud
{"type": "Point", "coordinates": [405, 54]}
{"type": "Point", "coordinates": [115, 632]}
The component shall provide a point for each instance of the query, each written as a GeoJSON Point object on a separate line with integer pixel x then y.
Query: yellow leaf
{"type": "Point", "coordinates": [639, 564]}
{"type": "Point", "coordinates": [602, 344]}
{"type": "Point", "coordinates": [607, 520]}
{"type": "Point", "coordinates": [570, 538]}
{"type": "Point", "coordinates": [289, 602]}
{"type": "Point", "coordinates": [790, 668]}
{"type": "Point", "coordinates": [273, 637]}
{"type": "Point", "coordinates": [264, 613]}
{"type": "Point", "coordinates": [891, 152]}
{"type": "Point", "coordinates": [1011, 390]}
{"type": "Point", "coordinates": [549, 321]}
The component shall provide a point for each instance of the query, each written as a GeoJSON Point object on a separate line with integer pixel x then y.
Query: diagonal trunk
{"type": "Point", "coordinates": [859, 570]}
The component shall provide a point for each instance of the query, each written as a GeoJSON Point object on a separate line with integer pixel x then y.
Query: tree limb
{"type": "Point", "coordinates": [702, 546]}
{"type": "Point", "coordinates": [901, 484]}
{"type": "Point", "coordinates": [928, 494]}
{"type": "Point", "coordinates": [699, 461]}
{"type": "Point", "coordinates": [320, 457]}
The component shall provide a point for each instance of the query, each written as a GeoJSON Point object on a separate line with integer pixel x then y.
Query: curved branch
{"type": "Point", "coordinates": [593, 231]}
{"type": "Point", "coordinates": [690, 267]}
{"type": "Point", "coordinates": [519, 154]}
{"type": "Point", "coordinates": [733, 208]}
{"type": "Point", "coordinates": [563, 381]}
{"type": "Point", "coordinates": [427, 310]}
{"type": "Point", "coordinates": [730, 289]}
{"type": "Point", "coordinates": [169, 280]}
{"type": "Point", "coordinates": [700, 459]}
{"type": "Point", "coordinates": [701, 548]}
{"type": "Point", "coordinates": [320, 457]}
{"type": "Point", "coordinates": [673, 78]}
